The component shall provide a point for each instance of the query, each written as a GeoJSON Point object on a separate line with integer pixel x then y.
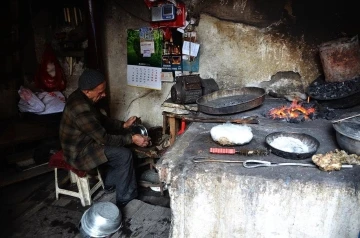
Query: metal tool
{"type": "Point", "coordinates": [262, 163]}
{"type": "Point", "coordinates": [209, 159]}
{"type": "Point", "coordinates": [343, 119]}
{"type": "Point", "coordinates": [243, 120]}
{"type": "Point", "coordinates": [247, 152]}
{"type": "Point", "coordinates": [249, 163]}
{"type": "Point", "coordinates": [259, 163]}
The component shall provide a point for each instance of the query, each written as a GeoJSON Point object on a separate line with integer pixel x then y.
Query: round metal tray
{"type": "Point", "coordinates": [229, 101]}
{"type": "Point", "coordinates": [311, 142]}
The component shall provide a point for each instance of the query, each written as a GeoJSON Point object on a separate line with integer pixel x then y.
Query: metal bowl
{"type": "Point", "coordinates": [348, 136]}
{"type": "Point", "coordinates": [306, 149]}
{"type": "Point", "coordinates": [139, 129]}
{"type": "Point", "coordinates": [101, 220]}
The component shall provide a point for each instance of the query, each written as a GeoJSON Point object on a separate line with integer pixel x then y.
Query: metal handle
{"type": "Point", "coordinates": [256, 163]}
{"type": "Point", "coordinates": [343, 119]}
{"type": "Point", "coordinates": [261, 163]}
{"type": "Point", "coordinates": [230, 151]}
{"type": "Point", "coordinates": [296, 164]}
{"type": "Point", "coordinates": [209, 159]}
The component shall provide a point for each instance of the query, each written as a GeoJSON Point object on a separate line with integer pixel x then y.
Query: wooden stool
{"type": "Point", "coordinates": [80, 177]}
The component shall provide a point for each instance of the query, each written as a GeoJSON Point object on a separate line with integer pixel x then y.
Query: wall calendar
{"type": "Point", "coordinates": [144, 76]}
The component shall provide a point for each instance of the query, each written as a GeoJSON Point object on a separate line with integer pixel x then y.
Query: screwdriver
{"type": "Point", "coordinates": [232, 151]}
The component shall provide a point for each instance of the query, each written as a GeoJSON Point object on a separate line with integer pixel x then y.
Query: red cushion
{"type": "Point", "coordinates": [57, 161]}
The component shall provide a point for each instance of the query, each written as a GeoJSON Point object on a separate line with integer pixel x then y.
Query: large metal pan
{"type": "Point", "coordinates": [229, 101]}
{"type": "Point", "coordinates": [290, 150]}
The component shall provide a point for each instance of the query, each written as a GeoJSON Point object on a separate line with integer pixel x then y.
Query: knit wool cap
{"type": "Point", "coordinates": [90, 79]}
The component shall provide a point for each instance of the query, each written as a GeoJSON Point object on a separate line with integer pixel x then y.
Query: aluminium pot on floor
{"type": "Point", "coordinates": [100, 220]}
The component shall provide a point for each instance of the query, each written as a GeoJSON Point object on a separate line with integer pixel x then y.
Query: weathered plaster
{"type": "Point", "coordinates": [257, 13]}
{"type": "Point", "coordinates": [235, 54]}
{"type": "Point", "coordinates": [125, 100]}
{"type": "Point", "coordinates": [246, 206]}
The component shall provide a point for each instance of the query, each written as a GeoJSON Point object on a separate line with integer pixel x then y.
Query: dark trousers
{"type": "Point", "coordinates": [120, 173]}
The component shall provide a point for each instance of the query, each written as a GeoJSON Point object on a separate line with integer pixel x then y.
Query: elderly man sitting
{"type": "Point", "coordinates": [89, 138]}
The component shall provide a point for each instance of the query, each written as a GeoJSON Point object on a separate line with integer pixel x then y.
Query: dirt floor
{"type": "Point", "coordinates": [30, 209]}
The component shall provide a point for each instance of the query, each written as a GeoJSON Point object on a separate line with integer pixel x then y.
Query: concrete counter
{"type": "Point", "coordinates": [228, 200]}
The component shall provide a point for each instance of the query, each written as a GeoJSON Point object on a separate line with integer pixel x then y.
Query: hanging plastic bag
{"type": "Point", "coordinates": [50, 76]}
{"type": "Point", "coordinates": [29, 102]}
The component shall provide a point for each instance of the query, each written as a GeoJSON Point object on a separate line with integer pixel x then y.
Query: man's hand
{"type": "Point", "coordinates": [129, 122]}
{"type": "Point", "coordinates": [141, 140]}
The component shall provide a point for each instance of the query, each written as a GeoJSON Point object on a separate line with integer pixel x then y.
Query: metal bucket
{"type": "Point", "coordinates": [340, 59]}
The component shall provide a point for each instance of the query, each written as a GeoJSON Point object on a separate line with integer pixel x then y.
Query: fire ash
{"type": "Point", "coordinates": [294, 113]}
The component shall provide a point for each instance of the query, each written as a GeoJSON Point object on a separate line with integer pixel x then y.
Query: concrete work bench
{"type": "Point", "coordinates": [227, 200]}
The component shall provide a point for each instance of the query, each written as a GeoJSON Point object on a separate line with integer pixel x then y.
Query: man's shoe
{"type": "Point", "coordinates": [109, 189]}
{"type": "Point", "coordinates": [121, 205]}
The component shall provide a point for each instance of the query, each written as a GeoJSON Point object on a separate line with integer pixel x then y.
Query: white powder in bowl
{"type": "Point", "coordinates": [289, 144]}
{"type": "Point", "coordinates": [230, 134]}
